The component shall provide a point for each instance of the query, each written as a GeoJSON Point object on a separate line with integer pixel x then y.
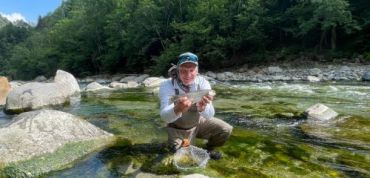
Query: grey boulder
{"type": "Point", "coordinates": [320, 112]}
{"type": "Point", "coordinates": [36, 95]}
{"type": "Point", "coordinates": [47, 140]}
{"type": "Point", "coordinates": [95, 86]}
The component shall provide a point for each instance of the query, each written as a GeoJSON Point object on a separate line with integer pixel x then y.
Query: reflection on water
{"type": "Point", "coordinates": [92, 166]}
{"type": "Point", "coordinates": [4, 118]}
{"type": "Point", "coordinates": [271, 137]}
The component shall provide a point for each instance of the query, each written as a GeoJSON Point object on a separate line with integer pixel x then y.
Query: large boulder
{"type": "Point", "coordinates": [320, 112]}
{"type": "Point", "coordinates": [95, 86]}
{"type": "Point", "coordinates": [153, 82]}
{"type": "Point", "coordinates": [4, 89]}
{"type": "Point", "coordinates": [211, 74]}
{"type": "Point", "coordinates": [128, 78]}
{"type": "Point", "coordinates": [119, 85]}
{"type": "Point", "coordinates": [344, 69]}
{"type": "Point", "coordinates": [313, 79]}
{"type": "Point", "coordinates": [40, 141]}
{"type": "Point", "coordinates": [315, 71]}
{"type": "Point", "coordinates": [141, 78]}
{"type": "Point", "coordinates": [16, 84]}
{"type": "Point", "coordinates": [68, 80]}
{"type": "Point", "coordinates": [221, 76]}
{"type": "Point", "coordinates": [40, 78]}
{"type": "Point", "coordinates": [36, 95]}
{"type": "Point", "coordinates": [274, 70]}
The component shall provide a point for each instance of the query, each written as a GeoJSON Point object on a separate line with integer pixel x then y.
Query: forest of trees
{"type": "Point", "coordinates": [88, 37]}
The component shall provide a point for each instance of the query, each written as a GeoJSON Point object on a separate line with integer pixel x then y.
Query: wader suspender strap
{"type": "Point", "coordinates": [181, 121]}
{"type": "Point", "coordinates": [177, 92]}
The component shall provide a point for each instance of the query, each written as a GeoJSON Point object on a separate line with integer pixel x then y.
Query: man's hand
{"type": "Point", "coordinates": [201, 105]}
{"type": "Point", "coordinates": [182, 105]}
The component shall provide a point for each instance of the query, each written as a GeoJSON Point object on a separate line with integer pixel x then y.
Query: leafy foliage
{"type": "Point", "coordinates": [10, 35]}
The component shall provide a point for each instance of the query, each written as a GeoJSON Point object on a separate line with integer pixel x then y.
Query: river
{"type": "Point", "coordinates": [271, 137]}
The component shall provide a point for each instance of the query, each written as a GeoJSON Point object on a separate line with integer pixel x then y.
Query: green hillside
{"type": "Point", "coordinates": [3, 21]}
{"type": "Point", "coordinates": [88, 37]}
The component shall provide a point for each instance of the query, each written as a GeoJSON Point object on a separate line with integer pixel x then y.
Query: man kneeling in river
{"type": "Point", "coordinates": [187, 120]}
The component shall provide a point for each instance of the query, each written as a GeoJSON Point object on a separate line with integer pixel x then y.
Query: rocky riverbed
{"type": "Point", "coordinates": [347, 72]}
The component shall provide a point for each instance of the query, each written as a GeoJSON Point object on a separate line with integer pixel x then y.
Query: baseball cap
{"type": "Point", "coordinates": [187, 57]}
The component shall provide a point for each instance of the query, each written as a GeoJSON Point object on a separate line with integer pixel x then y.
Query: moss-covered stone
{"type": "Point", "coordinates": [343, 131]}
{"type": "Point", "coordinates": [162, 164]}
{"type": "Point", "coordinates": [60, 159]}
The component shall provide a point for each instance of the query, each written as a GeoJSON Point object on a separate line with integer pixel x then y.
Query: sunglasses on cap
{"type": "Point", "coordinates": [188, 57]}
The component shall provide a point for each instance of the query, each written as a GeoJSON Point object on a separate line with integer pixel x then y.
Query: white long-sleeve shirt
{"type": "Point", "coordinates": [167, 90]}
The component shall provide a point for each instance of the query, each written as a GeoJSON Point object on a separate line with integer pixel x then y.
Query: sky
{"type": "Point", "coordinates": [27, 10]}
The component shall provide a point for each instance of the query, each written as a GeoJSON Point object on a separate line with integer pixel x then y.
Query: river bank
{"type": "Point", "coordinates": [287, 72]}
{"type": "Point", "coordinates": [311, 73]}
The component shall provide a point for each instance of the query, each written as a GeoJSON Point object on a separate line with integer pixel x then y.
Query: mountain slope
{"type": "Point", "coordinates": [3, 21]}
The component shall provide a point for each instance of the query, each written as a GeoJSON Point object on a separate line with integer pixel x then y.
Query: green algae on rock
{"type": "Point", "coordinates": [35, 140]}
{"type": "Point", "coordinates": [62, 158]}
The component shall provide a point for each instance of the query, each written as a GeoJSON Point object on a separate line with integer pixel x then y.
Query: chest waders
{"type": "Point", "coordinates": [183, 127]}
{"type": "Point", "coordinates": [191, 125]}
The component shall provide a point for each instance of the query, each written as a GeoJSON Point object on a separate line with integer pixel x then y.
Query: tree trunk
{"type": "Point", "coordinates": [322, 38]}
{"type": "Point", "coordinates": [333, 38]}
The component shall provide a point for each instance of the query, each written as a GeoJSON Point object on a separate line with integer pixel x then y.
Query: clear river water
{"type": "Point", "coordinates": [271, 137]}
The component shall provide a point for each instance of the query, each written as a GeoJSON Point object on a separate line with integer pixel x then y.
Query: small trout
{"type": "Point", "coordinates": [194, 97]}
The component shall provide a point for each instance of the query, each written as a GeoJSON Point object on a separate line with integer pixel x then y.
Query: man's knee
{"type": "Point", "coordinates": [227, 129]}
{"type": "Point", "coordinates": [224, 133]}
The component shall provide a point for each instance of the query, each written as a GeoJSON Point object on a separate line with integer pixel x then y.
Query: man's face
{"type": "Point", "coordinates": [187, 73]}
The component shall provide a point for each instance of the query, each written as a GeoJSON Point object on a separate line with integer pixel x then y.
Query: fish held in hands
{"type": "Point", "coordinates": [194, 97]}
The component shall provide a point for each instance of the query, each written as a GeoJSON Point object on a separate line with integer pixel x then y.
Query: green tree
{"type": "Point", "coordinates": [88, 37]}
{"type": "Point", "coordinates": [10, 35]}
{"type": "Point", "coordinates": [327, 16]}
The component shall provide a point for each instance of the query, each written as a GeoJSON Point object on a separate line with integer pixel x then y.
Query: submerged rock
{"type": "Point", "coordinates": [320, 112]}
{"type": "Point", "coordinates": [346, 131]}
{"type": "Point", "coordinates": [36, 95]}
{"type": "Point", "coordinates": [41, 141]}
{"type": "Point", "coordinates": [366, 76]}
